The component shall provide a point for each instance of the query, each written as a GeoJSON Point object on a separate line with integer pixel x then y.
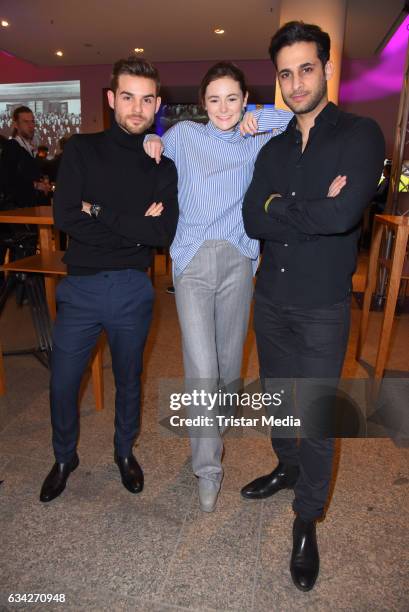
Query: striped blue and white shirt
{"type": "Point", "coordinates": [215, 168]}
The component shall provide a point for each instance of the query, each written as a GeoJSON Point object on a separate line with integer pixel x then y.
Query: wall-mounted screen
{"type": "Point", "coordinates": [56, 106]}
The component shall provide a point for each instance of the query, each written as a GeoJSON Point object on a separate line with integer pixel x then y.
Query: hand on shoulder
{"type": "Point", "coordinates": [153, 146]}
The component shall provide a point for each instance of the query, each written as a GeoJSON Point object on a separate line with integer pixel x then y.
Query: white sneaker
{"type": "Point", "coordinates": [208, 494]}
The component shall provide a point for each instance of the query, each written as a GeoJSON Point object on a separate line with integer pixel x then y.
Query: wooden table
{"type": "Point", "coordinates": [35, 215]}
{"type": "Point", "coordinates": [43, 217]}
{"type": "Point", "coordinates": [400, 226]}
{"type": "Point", "coordinates": [48, 262]}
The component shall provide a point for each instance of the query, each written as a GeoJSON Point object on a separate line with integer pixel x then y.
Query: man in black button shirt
{"type": "Point", "coordinates": [115, 203]}
{"type": "Point", "coordinates": [309, 190]}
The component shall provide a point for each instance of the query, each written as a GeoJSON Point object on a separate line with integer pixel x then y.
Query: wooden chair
{"type": "Point", "coordinates": [398, 271]}
{"type": "Point", "coordinates": [2, 375]}
{"type": "Point", "coordinates": [49, 264]}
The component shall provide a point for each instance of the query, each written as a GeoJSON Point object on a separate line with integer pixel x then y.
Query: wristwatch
{"type": "Point", "coordinates": [95, 210]}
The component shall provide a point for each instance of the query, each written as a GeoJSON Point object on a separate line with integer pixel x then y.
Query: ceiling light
{"type": "Point", "coordinates": [219, 31]}
{"type": "Point", "coordinates": [5, 23]}
{"type": "Point", "coordinates": [59, 53]}
{"type": "Point", "coordinates": [139, 50]}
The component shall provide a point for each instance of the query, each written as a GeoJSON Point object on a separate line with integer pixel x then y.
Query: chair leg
{"type": "Point", "coordinates": [34, 285]}
{"type": "Point", "coordinates": [398, 257]}
{"type": "Point", "coordinates": [370, 287]}
{"type": "Point", "coordinates": [2, 374]}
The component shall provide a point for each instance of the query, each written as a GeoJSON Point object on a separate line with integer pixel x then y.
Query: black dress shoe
{"type": "Point", "coordinates": [283, 477]}
{"type": "Point", "coordinates": [131, 473]}
{"type": "Point", "coordinates": [305, 560]}
{"type": "Point", "coordinates": [56, 480]}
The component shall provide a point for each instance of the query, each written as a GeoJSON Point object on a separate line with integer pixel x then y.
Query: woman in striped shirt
{"type": "Point", "coordinates": [213, 258]}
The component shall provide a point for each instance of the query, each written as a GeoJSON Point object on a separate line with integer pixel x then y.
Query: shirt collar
{"type": "Point", "coordinates": [329, 113]}
{"type": "Point", "coordinates": [229, 136]}
{"type": "Point", "coordinates": [130, 141]}
{"type": "Point", "coordinates": [26, 144]}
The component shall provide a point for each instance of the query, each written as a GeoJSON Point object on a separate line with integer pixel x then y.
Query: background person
{"type": "Point", "coordinates": [22, 182]}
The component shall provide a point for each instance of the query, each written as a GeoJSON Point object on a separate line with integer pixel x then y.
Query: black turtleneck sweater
{"type": "Point", "coordinates": [111, 169]}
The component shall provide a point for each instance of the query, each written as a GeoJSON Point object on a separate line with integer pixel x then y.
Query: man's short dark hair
{"type": "Point", "coordinates": [134, 67]}
{"type": "Point", "coordinates": [298, 31]}
{"type": "Point", "coordinates": [19, 110]}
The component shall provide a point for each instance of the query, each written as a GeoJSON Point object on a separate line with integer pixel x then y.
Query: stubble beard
{"type": "Point", "coordinates": [134, 130]}
{"type": "Point", "coordinates": [26, 135]}
{"type": "Point", "coordinates": [312, 104]}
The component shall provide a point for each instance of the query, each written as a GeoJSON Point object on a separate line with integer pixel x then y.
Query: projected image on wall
{"type": "Point", "coordinates": [56, 106]}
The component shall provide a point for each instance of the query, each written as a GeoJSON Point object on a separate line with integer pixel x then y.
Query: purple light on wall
{"type": "Point", "coordinates": [399, 40]}
{"type": "Point", "coordinates": [378, 77]}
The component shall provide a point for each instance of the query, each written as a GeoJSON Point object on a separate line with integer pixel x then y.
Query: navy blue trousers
{"type": "Point", "coordinates": [300, 342]}
{"type": "Point", "coordinates": [119, 302]}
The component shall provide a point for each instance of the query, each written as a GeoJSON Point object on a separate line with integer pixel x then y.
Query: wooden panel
{"type": "Point", "coordinates": [396, 271]}
{"type": "Point", "coordinates": [393, 220]}
{"type": "Point", "coordinates": [2, 375]}
{"type": "Point", "coordinates": [36, 215]}
{"type": "Point", "coordinates": [44, 263]}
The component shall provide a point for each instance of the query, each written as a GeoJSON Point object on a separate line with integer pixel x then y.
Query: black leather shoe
{"type": "Point", "coordinates": [131, 473]}
{"type": "Point", "coordinates": [56, 480]}
{"type": "Point", "coordinates": [305, 560]}
{"type": "Point", "coordinates": [283, 477]}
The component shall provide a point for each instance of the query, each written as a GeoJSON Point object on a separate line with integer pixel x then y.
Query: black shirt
{"type": "Point", "coordinates": [111, 169]}
{"type": "Point", "coordinates": [311, 240]}
{"type": "Point", "coordinates": [19, 170]}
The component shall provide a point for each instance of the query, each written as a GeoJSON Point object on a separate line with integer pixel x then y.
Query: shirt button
{"type": "Point", "coordinates": [285, 244]}
{"type": "Point", "coordinates": [293, 193]}
{"type": "Point", "coordinates": [282, 269]}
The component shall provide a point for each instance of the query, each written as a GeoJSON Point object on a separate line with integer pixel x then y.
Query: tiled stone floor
{"type": "Point", "coordinates": [108, 550]}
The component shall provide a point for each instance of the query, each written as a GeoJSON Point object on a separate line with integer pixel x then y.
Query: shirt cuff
{"type": "Point", "coordinates": [277, 208]}
{"type": "Point", "coordinates": [273, 196]}
{"type": "Point", "coordinates": [148, 137]}
{"type": "Point", "coordinates": [268, 202]}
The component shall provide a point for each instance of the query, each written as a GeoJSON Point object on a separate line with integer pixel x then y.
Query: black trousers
{"type": "Point", "coordinates": [299, 342]}
{"type": "Point", "coordinates": [120, 302]}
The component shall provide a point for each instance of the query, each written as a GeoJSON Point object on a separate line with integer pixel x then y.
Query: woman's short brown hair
{"type": "Point", "coordinates": [218, 71]}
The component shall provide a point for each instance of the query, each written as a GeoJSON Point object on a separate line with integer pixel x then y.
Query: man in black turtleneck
{"type": "Point", "coordinates": [115, 203]}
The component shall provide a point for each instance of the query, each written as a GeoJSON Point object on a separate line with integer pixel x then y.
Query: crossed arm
{"type": "Point", "coordinates": [72, 214]}
{"type": "Point", "coordinates": [338, 212]}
